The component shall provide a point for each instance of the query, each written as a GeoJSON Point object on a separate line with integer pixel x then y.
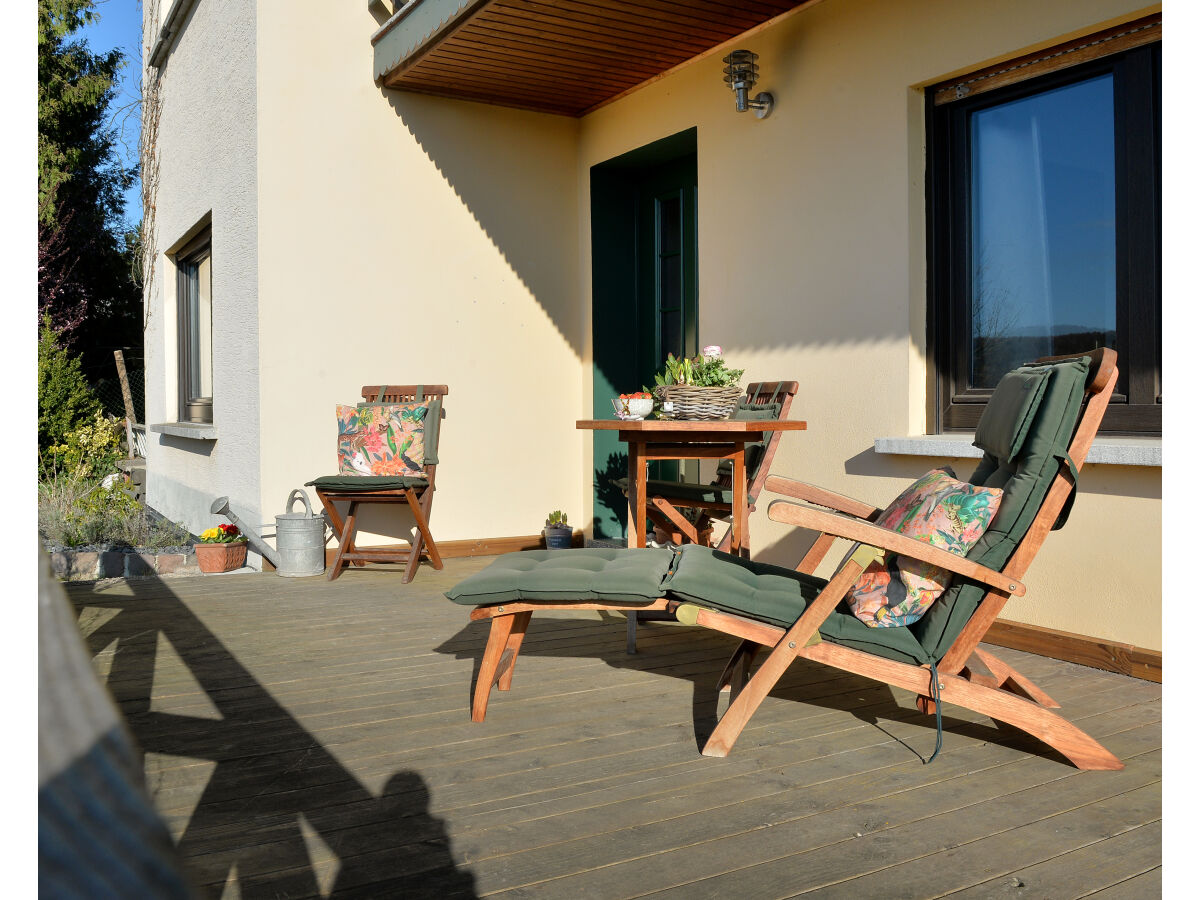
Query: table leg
{"type": "Point", "coordinates": [636, 529]}
{"type": "Point", "coordinates": [739, 545]}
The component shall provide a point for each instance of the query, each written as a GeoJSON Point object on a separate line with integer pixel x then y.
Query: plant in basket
{"type": "Point", "coordinates": [221, 549]}
{"type": "Point", "coordinates": [700, 387]}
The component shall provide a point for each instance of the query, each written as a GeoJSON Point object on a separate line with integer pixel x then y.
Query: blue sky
{"type": "Point", "coordinates": [120, 26]}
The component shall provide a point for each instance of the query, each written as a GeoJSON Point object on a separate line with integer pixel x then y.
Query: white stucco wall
{"type": "Point", "coordinates": [207, 146]}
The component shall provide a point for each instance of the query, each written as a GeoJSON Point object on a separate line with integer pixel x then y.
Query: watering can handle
{"type": "Point", "coordinates": [298, 494]}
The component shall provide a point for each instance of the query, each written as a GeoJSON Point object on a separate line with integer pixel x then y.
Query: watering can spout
{"type": "Point", "coordinates": [220, 507]}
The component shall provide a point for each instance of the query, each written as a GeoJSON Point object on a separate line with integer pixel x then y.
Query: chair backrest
{"type": "Point", "coordinates": [412, 393]}
{"type": "Point", "coordinates": [1035, 433]}
{"type": "Point", "coordinates": [764, 399]}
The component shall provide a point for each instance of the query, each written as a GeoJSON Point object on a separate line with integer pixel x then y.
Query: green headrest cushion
{"type": "Point", "coordinates": [1011, 410]}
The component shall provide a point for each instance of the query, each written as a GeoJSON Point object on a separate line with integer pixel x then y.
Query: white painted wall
{"type": "Point", "coordinates": [207, 146]}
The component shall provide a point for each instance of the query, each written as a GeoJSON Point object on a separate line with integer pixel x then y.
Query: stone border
{"type": "Point", "coordinates": [90, 565]}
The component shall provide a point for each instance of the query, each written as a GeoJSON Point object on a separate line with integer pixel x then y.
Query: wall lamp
{"type": "Point", "coordinates": [740, 74]}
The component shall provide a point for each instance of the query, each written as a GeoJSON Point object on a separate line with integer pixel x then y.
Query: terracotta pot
{"type": "Point", "coordinates": [221, 557]}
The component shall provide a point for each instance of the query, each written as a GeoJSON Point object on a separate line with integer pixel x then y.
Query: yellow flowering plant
{"type": "Point", "coordinates": [222, 534]}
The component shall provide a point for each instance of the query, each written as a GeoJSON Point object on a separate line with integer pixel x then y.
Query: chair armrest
{"type": "Point", "coordinates": [886, 539]}
{"type": "Point", "coordinates": [810, 493]}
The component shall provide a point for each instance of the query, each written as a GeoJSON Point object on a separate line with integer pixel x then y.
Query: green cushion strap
{"type": "Point", "coordinates": [420, 392]}
{"type": "Point", "coordinates": [1065, 458]}
{"type": "Point", "coordinates": [382, 391]}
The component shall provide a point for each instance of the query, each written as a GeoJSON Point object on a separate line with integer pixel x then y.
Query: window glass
{"type": "Point", "coordinates": [1042, 228]}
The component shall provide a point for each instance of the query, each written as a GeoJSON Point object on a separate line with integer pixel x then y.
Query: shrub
{"type": "Point", "coordinates": [74, 511]}
{"type": "Point", "coordinates": [92, 449]}
{"type": "Point", "coordinates": [65, 401]}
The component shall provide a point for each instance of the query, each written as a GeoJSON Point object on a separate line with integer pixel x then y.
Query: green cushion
{"type": "Point", "coordinates": [756, 450]}
{"type": "Point", "coordinates": [778, 595]}
{"type": "Point", "coordinates": [1010, 412]}
{"type": "Point", "coordinates": [584, 575]}
{"type": "Point", "coordinates": [683, 490]}
{"type": "Point", "coordinates": [366, 482]}
{"type": "Point", "coordinates": [1025, 480]}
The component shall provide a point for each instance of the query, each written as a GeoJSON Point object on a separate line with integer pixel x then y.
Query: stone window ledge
{"type": "Point", "coordinates": [195, 430]}
{"type": "Point", "coordinates": [1111, 451]}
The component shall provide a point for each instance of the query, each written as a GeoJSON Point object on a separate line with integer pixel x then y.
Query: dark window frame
{"type": "Point", "coordinates": [1136, 406]}
{"type": "Point", "coordinates": [192, 408]}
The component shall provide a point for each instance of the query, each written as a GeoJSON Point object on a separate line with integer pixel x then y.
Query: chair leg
{"type": "Point", "coordinates": [737, 670]}
{"type": "Point", "coordinates": [423, 537]}
{"type": "Point", "coordinates": [512, 649]}
{"type": "Point", "coordinates": [502, 627]}
{"type": "Point", "coordinates": [725, 735]}
{"type": "Point", "coordinates": [345, 541]}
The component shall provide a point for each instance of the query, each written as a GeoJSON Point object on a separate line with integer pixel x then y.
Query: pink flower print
{"type": "Point", "coordinates": [373, 441]}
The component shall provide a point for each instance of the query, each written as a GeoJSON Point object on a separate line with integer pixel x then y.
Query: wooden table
{"type": "Point", "coordinates": [654, 439]}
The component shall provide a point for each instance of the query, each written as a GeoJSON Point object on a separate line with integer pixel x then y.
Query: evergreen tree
{"type": "Point", "coordinates": [85, 282]}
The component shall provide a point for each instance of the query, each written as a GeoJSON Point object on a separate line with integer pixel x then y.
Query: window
{"type": "Point", "coordinates": [194, 264]}
{"type": "Point", "coordinates": [1045, 233]}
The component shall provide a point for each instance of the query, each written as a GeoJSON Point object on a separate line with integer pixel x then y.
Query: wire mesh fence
{"type": "Point", "coordinates": [108, 392]}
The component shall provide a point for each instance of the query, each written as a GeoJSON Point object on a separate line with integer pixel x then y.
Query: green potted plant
{"type": "Point", "coordinates": [701, 387]}
{"type": "Point", "coordinates": [557, 532]}
{"type": "Point", "coordinates": [221, 549]}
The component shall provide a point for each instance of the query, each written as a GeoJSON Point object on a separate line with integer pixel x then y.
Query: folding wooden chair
{"type": "Point", "coordinates": [414, 491]}
{"type": "Point", "coordinates": [1045, 418]}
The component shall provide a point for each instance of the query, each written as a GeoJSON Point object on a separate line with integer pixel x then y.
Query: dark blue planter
{"type": "Point", "coordinates": [557, 538]}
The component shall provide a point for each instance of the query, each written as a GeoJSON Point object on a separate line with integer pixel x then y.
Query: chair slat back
{"type": "Point", "coordinates": [408, 393]}
{"type": "Point", "coordinates": [758, 394]}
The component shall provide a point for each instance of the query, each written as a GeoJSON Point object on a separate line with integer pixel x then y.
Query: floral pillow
{"type": "Point", "coordinates": [382, 439]}
{"type": "Point", "coordinates": [940, 510]}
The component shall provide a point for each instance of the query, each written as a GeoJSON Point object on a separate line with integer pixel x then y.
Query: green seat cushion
{"type": "Point", "coordinates": [778, 596]}
{"type": "Point", "coordinates": [583, 575]}
{"type": "Point", "coordinates": [366, 482]}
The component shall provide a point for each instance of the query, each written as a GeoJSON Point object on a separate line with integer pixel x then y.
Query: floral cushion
{"type": "Point", "coordinates": [382, 439]}
{"type": "Point", "coordinates": [940, 510]}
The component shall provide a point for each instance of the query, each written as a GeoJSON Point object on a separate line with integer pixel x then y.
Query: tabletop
{"type": "Point", "coordinates": [650, 427]}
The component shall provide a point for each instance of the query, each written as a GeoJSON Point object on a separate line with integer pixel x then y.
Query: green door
{"type": "Point", "coordinates": [644, 294]}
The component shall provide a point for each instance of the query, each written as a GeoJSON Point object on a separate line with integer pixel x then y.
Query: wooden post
{"type": "Point", "coordinates": [125, 392]}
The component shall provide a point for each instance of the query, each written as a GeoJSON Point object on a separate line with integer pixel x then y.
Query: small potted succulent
{"type": "Point", "coordinates": [557, 532]}
{"type": "Point", "coordinates": [221, 549]}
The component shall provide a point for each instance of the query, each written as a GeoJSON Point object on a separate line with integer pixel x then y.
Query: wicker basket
{"type": "Point", "coordinates": [693, 402]}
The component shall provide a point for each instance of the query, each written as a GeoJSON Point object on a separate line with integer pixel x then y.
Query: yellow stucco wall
{"type": "Point", "coordinates": [812, 265]}
{"type": "Point", "coordinates": [410, 239]}
{"type": "Point", "coordinates": [404, 237]}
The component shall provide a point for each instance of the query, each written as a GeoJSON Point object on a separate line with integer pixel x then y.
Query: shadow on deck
{"type": "Point", "coordinates": [304, 738]}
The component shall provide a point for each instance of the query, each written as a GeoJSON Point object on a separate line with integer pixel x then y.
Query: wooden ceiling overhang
{"type": "Point", "coordinates": [567, 57]}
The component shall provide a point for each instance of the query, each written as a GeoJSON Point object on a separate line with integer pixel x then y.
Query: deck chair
{"type": "Point", "coordinates": [714, 501]}
{"type": "Point", "coordinates": [415, 492]}
{"type": "Point", "coordinates": [1035, 432]}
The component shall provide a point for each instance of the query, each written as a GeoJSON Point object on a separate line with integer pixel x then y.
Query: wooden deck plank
{"type": "Point", "coordinates": [1100, 865]}
{"type": "Point", "coordinates": [311, 738]}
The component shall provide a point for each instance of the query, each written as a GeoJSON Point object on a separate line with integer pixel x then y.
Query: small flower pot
{"type": "Point", "coordinates": [221, 557]}
{"type": "Point", "coordinates": [558, 537]}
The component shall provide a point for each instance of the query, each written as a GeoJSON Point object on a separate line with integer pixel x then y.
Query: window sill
{"type": "Point", "coordinates": [1110, 451]}
{"type": "Point", "coordinates": [194, 430]}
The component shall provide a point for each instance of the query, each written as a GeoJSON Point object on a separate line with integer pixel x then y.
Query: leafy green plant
{"type": "Point", "coordinates": [92, 449]}
{"type": "Point", "coordinates": [74, 511]}
{"type": "Point", "coordinates": [65, 402]}
{"type": "Point", "coordinates": [701, 371]}
{"type": "Point", "coordinates": [557, 519]}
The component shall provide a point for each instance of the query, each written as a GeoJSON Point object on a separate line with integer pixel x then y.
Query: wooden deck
{"type": "Point", "coordinates": [312, 739]}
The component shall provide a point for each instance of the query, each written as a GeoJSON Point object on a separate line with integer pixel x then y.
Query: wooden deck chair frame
{"type": "Point", "coordinates": [965, 676]}
{"type": "Point", "coordinates": [419, 499]}
{"type": "Point", "coordinates": [663, 509]}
